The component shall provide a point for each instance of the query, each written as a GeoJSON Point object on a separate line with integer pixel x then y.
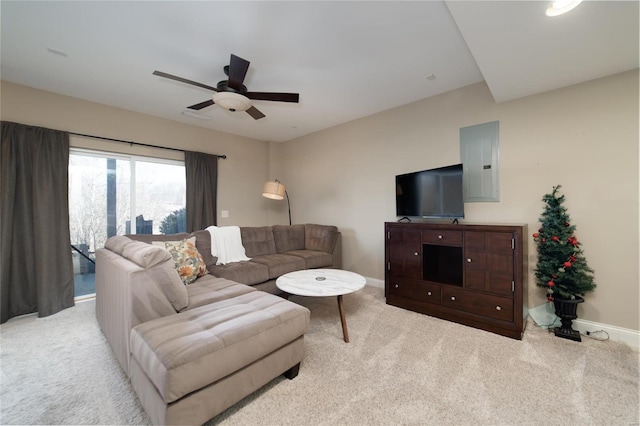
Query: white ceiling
{"type": "Point", "coordinates": [346, 59]}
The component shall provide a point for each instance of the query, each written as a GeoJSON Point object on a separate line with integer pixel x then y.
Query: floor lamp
{"type": "Point", "coordinates": [276, 191]}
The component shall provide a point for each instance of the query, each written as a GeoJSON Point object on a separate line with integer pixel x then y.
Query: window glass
{"type": "Point", "coordinates": [107, 190]}
{"type": "Point", "coordinates": [160, 198]}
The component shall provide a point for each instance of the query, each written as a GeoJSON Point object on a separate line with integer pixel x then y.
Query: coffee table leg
{"type": "Point", "coordinates": [345, 333]}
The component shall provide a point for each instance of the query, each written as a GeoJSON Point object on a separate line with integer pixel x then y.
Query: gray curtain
{"type": "Point", "coordinates": [202, 187]}
{"type": "Point", "coordinates": [36, 271]}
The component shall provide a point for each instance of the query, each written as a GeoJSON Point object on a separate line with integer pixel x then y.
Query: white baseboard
{"type": "Point", "coordinates": [374, 282]}
{"type": "Point", "coordinates": [616, 334]}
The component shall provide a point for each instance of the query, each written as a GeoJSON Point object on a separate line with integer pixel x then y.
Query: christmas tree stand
{"type": "Point", "coordinates": [567, 309]}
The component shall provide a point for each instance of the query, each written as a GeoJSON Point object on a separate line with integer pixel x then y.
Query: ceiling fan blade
{"type": "Point", "coordinates": [272, 96]}
{"type": "Point", "coordinates": [237, 71]}
{"type": "Point", "coordinates": [202, 105]}
{"type": "Point", "coordinates": [255, 113]}
{"type": "Point", "coordinates": [183, 80]}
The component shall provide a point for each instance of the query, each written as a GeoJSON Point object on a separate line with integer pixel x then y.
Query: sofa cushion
{"type": "Point", "coordinates": [257, 241]}
{"type": "Point", "coordinates": [144, 255]}
{"type": "Point", "coordinates": [209, 289]}
{"type": "Point", "coordinates": [159, 266]}
{"type": "Point", "coordinates": [165, 276]}
{"type": "Point", "coordinates": [320, 237]}
{"type": "Point", "coordinates": [185, 352]}
{"type": "Point", "coordinates": [117, 243]}
{"type": "Point", "coordinates": [203, 243]}
{"type": "Point", "coordinates": [150, 238]}
{"type": "Point", "coordinates": [280, 264]}
{"type": "Point", "coordinates": [288, 237]}
{"type": "Point", "coordinates": [313, 258]}
{"type": "Point", "coordinates": [246, 272]}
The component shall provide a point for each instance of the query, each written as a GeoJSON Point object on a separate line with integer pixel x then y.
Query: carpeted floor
{"type": "Point", "coordinates": [399, 368]}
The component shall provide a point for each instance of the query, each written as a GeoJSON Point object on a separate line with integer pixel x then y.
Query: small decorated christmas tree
{"type": "Point", "coordinates": [562, 268]}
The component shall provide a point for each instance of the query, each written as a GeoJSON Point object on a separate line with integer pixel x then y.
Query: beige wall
{"type": "Point", "coordinates": [240, 176]}
{"type": "Point", "coordinates": [584, 137]}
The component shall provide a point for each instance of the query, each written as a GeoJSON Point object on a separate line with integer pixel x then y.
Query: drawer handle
{"type": "Point", "coordinates": [498, 308]}
{"type": "Point", "coordinates": [396, 286]}
{"type": "Point", "coordinates": [469, 260]}
{"type": "Point", "coordinates": [416, 254]}
{"type": "Point", "coordinates": [453, 298]}
{"type": "Point", "coordinates": [439, 237]}
{"type": "Point", "coordinates": [428, 293]}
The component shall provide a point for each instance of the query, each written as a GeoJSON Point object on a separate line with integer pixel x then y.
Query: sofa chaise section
{"type": "Point", "coordinates": [138, 282]}
{"type": "Point", "coordinates": [193, 350]}
{"type": "Point", "coordinates": [188, 354]}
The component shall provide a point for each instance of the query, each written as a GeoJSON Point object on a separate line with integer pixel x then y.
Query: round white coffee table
{"type": "Point", "coordinates": [323, 282]}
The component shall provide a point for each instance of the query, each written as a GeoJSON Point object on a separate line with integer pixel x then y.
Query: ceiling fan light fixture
{"type": "Point", "coordinates": [232, 101]}
{"type": "Point", "coordinates": [560, 7]}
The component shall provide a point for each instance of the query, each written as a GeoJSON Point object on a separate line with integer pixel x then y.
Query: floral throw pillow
{"type": "Point", "coordinates": [189, 262]}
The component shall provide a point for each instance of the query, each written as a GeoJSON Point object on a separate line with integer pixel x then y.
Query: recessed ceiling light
{"type": "Point", "coordinates": [560, 7]}
{"type": "Point", "coordinates": [195, 114]}
{"type": "Point", "coordinates": [57, 52]}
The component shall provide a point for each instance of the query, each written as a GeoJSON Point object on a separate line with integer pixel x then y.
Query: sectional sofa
{"type": "Point", "coordinates": [274, 251]}
{"type": "Point", "coordinates": [191, 351]}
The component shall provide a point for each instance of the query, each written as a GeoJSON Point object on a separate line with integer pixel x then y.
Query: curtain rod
{"type": "Point", "coordinates": [136, 143]}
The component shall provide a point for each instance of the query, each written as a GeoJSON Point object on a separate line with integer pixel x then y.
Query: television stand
{"type": "Point", "coordinates": [469, 274]}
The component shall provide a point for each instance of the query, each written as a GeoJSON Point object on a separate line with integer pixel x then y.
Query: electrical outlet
{"type": "Point", "coordinates": [224, 213]}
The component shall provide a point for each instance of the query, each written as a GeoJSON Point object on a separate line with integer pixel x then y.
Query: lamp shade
{"type": "Point", "coordinates": [273, 190]}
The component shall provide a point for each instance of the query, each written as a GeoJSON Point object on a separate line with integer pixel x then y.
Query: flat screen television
{"type": "Point", "coordinates": [433, 193]}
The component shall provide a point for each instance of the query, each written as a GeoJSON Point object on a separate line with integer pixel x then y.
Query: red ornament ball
{"type": "Point", "coordinates": [555, 238]}
{"type": "Point", "coordinates": [551, 283]}
{"type": "Point", "coordinates": [567, 264]}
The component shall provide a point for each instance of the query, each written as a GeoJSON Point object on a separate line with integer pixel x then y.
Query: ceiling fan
{"type": "Point", "coordinates": [231, 94]}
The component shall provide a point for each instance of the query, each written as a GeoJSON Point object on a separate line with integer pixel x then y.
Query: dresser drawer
{"type": "Point", "coordinates": [415, 290]}
{"type": "Point", "coordinates": [444, 238]}
{"type": "Point", "coordinates": [487, 305]}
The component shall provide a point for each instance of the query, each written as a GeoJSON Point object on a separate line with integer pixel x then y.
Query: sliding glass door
{"type": "Point", "coordinates": [107, 190]}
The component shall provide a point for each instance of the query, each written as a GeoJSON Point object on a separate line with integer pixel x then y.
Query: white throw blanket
{"type": "Point", "coordinates": [226, 244]}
